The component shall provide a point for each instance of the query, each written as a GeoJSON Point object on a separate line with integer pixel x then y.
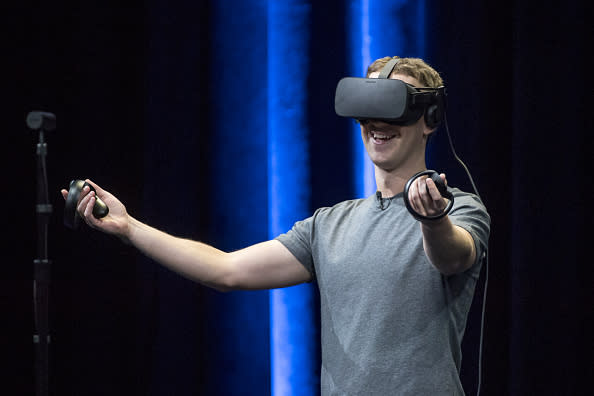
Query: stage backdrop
{"type": "Point", "coordinates": [214, 120]}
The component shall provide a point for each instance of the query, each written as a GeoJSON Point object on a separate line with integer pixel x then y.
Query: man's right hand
{"type": "Point", "coordinates": [117, 222]}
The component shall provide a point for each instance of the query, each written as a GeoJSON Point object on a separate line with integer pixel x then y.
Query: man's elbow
{"type": "Point", "coordinates": [456, 266]}
{"type": "Point", "coordinates": [452, 269]}
{"type": "Point", "coordinates": [227, 278]}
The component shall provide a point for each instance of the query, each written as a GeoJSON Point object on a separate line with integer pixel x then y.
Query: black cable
{"type": "Point", "coordinates": [445, 118]}
{"type": "Point", "coordinates": [484, 303]}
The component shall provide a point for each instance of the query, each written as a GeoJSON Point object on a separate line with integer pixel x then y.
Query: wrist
{"type": "Point", "coordinates": [126, 234]}
{"type": "Point", "coordinates": [438, 225]}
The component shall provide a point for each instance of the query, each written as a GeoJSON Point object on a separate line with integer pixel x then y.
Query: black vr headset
{"type": "Point", "coordinates": [389, 100]}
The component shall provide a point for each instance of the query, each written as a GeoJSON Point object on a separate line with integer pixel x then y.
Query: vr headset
{"type": "Point", "coordinates": [389, 100]}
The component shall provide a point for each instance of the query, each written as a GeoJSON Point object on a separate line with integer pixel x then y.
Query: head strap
{"type": "Point", "coordinates": [387, 70]}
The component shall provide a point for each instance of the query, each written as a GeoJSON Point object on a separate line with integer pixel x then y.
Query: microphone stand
{"type": "Point", "coordinates": [41, 122]}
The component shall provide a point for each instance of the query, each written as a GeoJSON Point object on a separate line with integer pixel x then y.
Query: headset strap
{"type": "Point", "coordinates": [387, 70]}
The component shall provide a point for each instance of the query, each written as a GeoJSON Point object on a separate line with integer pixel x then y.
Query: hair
{"type": "Point", "coordinates": [413, 67]}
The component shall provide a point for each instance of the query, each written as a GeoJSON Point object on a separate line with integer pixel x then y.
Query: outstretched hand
{"type": "Point", "coordinates": [425, 198]}
{"type": "Point", "coordinates": [116, 222]}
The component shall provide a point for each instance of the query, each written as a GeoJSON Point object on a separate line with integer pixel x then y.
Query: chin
{"type": "Point", "coordinates": [385, 165]}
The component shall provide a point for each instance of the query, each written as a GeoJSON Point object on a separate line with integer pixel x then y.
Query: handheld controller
{"type": "Point", "coordinates": [442, 190]}
{"type": "Point", "coordinates": [71, 216]}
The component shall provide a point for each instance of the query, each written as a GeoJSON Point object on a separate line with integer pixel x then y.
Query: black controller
{"type": "Point", "coordinates": [442, 190]}
{"type": "Point", "coordinates": [71, 216]}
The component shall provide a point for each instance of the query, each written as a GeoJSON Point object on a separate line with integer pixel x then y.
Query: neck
{"type": "Point", "coordinates": [392, 182]}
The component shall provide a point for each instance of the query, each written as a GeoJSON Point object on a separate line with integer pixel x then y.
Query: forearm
{"type": "Point", "coordinates": [263, 265]}
{"type": "Point", "coordinates": [197, 261]}
{"type": "Point", "coordinates": [450, 248]}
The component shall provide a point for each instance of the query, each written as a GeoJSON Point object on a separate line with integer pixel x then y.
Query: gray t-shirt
{"type": "Point", "coordinates": [391, 323]}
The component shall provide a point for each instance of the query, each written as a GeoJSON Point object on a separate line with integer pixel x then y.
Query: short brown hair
{"type": "Point", "coordinates": [413, 67]}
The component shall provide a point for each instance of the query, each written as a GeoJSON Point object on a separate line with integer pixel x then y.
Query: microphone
{"type": "Point", "coordinates": [41, 120]}
{"type": "Point", "coordinates": [380, 200]}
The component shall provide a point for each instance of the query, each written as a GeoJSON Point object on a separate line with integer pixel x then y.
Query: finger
{"type": "Point", "coordinates": [417, 199]}
{"type": "Point", "coordinates": [88, 213]}
{"type": "Point", "coordinates": [99, 190]}
{"type": "Point", "coordinates": [84, 192]}
{"type": "Point", "coordinates": [424, 192]}
{"type": "Point", "coordinates": [438, 202]}
{"type": "Point", "coordinates": [83, 200]}
{"type": "Point", "coordinates": [64, 194]}
{"type": "Point", "coordinates": [421, 198]}
{"type": "Point", "coordinates": [88, 209]}
{"type": "Point", "coordinates": [443, 177]}
{"type": "Point", "coordinates": [433, 191]}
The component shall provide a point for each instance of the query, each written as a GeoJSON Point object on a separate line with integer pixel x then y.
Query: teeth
{"type": "Point", "coordinates": [378, 135]}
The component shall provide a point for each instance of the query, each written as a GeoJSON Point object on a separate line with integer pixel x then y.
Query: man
{"type": "Point", "coordinates": [394, 292]}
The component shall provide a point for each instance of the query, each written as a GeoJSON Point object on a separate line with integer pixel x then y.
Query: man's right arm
{"type": "Point", "coordinates": [265, 265]}
{"type": "Point", "coordinates": [262, 266]}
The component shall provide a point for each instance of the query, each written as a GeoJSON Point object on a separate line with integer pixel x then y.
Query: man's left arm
{"type": "Point", "coordinates": [450, 248]}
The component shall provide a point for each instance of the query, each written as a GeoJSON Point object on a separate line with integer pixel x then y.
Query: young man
{"type": "Point", "coordinates": [394, 292]}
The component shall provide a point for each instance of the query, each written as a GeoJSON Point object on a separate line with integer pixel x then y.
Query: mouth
{"type": "Point", "coordinates": [381, 137]}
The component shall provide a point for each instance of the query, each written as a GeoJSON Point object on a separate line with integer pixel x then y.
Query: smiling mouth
{"type": "Point", "coordinates": [380, 138]}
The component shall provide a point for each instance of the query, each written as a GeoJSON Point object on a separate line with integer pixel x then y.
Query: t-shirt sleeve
{"type": "Point", "coordinates": [469, 213]}
{"type": "Point", "coordinates": [299, 242]}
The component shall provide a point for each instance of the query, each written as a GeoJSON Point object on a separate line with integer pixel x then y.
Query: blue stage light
{"type": "Point", "coordinates": [292, 310]}
{"type": "Point", "coordinates": [379, 29]}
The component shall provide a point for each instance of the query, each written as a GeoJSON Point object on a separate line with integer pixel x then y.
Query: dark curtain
{"type": "Point", "coordinates": [517, 73]}
{"type": "Point", "coordinates": [122, 77]}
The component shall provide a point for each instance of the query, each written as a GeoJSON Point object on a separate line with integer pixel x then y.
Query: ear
{"type": "Point", "coordinates": [426, 129]}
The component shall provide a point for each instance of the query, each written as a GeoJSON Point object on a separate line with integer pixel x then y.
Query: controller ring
{"type": "Point", "coordinates": [442, 190]}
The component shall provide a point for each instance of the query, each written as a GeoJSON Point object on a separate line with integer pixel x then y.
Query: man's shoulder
{"type": "Point", "coordinates": [341, 208]}
{"type": "Point", "coordinates": [463, 199]}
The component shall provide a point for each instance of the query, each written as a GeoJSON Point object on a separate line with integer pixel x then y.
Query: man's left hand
{"type": "Point", "coordinates": [425, 198]}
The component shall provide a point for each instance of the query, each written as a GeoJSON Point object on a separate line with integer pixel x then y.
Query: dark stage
{"type": "Point", "coordinates": [167, 105]}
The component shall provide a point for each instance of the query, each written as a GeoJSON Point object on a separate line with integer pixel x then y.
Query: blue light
{"type": "Point", "coordinates": [360, 57]}
{"type": "Point", "coordinates": [237, 355]}
{"type": "Point", "coordinates": [379, 29]}
{"type": "Point", "coordinates": [292, 325]}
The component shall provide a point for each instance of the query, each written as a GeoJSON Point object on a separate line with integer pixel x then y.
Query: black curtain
{"type": "Point", "coordinates": [518, 75]}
